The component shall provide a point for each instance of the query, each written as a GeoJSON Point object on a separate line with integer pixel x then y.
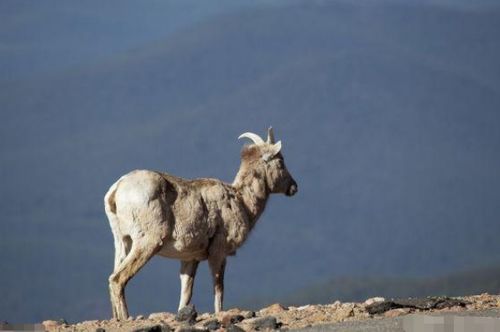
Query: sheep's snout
{"type": "Point", "coordinates": [292, 189]}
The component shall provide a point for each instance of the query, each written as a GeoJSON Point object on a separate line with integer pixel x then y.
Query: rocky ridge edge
{"type": "Point", "coordinates": [277, 316]}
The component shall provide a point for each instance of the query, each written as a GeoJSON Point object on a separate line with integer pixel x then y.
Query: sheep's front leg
{"type": "Point", "coordinates": [187, 274]}
{"type": "Point", "coordinates": [217, 266]}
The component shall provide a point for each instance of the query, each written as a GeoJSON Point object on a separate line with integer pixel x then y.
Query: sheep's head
{"type": "Point", "coordinates": [266, 159]}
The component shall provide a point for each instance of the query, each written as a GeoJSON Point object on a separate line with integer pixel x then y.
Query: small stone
{"type": "Point", "coordinates": [154, 328]}
{"type": "Point", "coordinates": [304, 307]}
{"type": "Point", "coordinates": [187, 314]}
{"type": "Point", "coordinates": [248, 314]}
{"type": "Point", "coordinates": [204, 316]}
{"type": "Point", "coordinates": [212, 324]}
{"type": "Point", "coordinates": [233, 311]}
{"type": "Point", "coordinates": [262, 323]}
{"type": "Point", "coordinates": [62, 321]}
{"type": "Point", "coordinates": [346, 310]}
{"type": "Point", "coordinates": [50, 324]}
{"type": "Point", "coordinates": [396, 312]}
{"type": "Point", "coordinates": [373, 300]}
{"type": "Point", "coordinates": [140, 317]}
{"type": "Point", "coordinates": [230, 318]}
{"type": "Point", "coordinates": [162, 316]}
{"type": "Point", "coordinates": [273, 309]}
{"type": "Point", "coordinates": [234, 328]}
{"type": "Point", "coordinates": [189, 329]}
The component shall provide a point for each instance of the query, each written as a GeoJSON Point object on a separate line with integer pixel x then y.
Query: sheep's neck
{"type": "Point", "coordinates": [253, 192]}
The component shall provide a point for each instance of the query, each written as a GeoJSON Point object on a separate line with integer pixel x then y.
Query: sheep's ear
{"type": "Point", "coordinates": [273, 150]}
{"type": "Point", "coordinates": [276, 148]}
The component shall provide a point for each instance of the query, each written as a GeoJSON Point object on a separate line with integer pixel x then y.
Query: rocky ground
{"type": "Point", "coordinates": [277, 316]}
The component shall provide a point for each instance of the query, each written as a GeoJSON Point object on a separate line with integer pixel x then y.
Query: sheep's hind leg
{"type": "Point", "coordinates": [217, 267]}
{"type": "Point", "coordinates": [188, 272]}
{"type": "Point", "coordinates": [140, 253]}
{"type": "Point", "coordinates": [122, 248]}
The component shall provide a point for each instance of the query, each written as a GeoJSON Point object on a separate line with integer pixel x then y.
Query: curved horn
{"type": "Point", "coordinates": [254, 137]}
{"type": "Point", "coordinates": [270, 136]}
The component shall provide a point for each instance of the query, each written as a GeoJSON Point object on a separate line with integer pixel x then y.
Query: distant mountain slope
{"type": "Point", "coordinates": [42, 38]}
{"type": "Point", "coordinates": [389, 118]}
{"type": "Point", "coordinates": [461, 283]}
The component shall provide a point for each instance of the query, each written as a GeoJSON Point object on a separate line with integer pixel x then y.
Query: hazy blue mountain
{"type": "Point", "coordinates": [389, 119]}
{"type": "Point", "coordinates": [43, 37]}
{"type": "Point", "coordinates": [360, 288]}
{"type": "Point", "coordinates": [40, 37]}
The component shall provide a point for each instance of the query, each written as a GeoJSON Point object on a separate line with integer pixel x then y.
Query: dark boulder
{"type": "Point", "coordinates": [154, 328]}
{"type": "Point", "coordinates": [187, 314]}
{"type": "Point", "coordinates": [212, 324]}
{"type": "Point", "coordinates": [234, 328]}
{"type": "Point", "coordinates": [426, 303]}
{"type": "Point", "coordinates": [265, 323]}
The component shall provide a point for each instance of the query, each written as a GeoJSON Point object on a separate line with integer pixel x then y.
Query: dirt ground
{"type": "Point", "coordinates": [280, 317]}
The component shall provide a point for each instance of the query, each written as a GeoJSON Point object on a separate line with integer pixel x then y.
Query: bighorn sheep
{"type": "Point", "coordinates": [153, 213]}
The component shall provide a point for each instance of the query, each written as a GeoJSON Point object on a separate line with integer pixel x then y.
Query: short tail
{"type": "Point", "coordinates": [110, 208]}
{"type": "Point", "coordinates": [109, 200]}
